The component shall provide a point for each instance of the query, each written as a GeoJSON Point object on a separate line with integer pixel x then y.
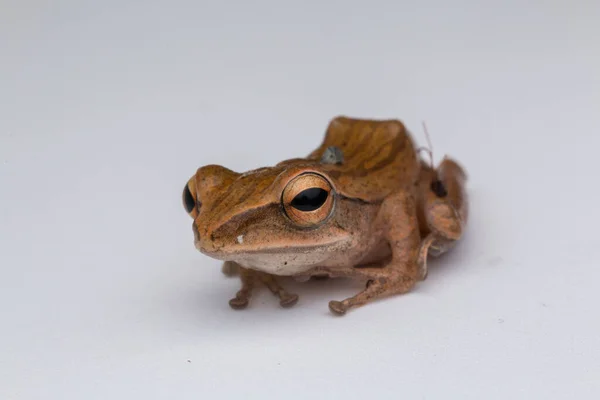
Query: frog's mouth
{"type": "Point", "coordinates": [229, 250]}
{"type": "Point", "coordinates": [279, 259]}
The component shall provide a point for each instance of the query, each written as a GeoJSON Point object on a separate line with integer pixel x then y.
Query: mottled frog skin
{"type": "Point", "coordinates": [362, 205]}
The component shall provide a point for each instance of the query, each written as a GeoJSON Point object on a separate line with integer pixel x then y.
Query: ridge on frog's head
{"type": "Point", "coordinates": [301, 211]}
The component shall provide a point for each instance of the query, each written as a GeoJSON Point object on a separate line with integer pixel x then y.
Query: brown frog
{"type": "Point", "coordinates": [363, 205]}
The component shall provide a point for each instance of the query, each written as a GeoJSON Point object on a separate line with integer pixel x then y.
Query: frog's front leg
{"type": "Point", "coordinates": [230, 268]}
{"type": "Point", "coordinates": [285, 299]}
{"type": "Point", "coordinates": [398, 219]}
{"type": "Point", "coordinates": [249, 279]}
{"type": "Point", "coordinates": [242, 297]}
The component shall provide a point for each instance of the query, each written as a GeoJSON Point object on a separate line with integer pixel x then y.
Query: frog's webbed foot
{"type": "Point", "coordinates": [249, 279]}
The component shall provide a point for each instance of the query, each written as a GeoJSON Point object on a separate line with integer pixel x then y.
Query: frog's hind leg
{"type": "Point", "coordinates": [443, 210]}
{"type": "Point", "coordinates": [380, 283]}
{"type": "Point", "coordinates": [398, 217]}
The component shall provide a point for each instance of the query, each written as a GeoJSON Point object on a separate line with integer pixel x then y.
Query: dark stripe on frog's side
{"type": "Point", "coordinates": [241, 222]}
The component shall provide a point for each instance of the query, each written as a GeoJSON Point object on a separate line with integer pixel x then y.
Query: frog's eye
{"type": "Point", "coordinates": [308, 199]}
{"type": "Point", "coordinates": [189, 199]}
{"type": "Point", "coordinates": [438, 188]}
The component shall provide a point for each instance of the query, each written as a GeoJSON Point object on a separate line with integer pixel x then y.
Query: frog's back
{"type": "Point", "coordinates": [379, 157]}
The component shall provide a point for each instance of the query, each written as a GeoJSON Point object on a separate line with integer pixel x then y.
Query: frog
{"type": "Point", "coordinates": [363, 205]}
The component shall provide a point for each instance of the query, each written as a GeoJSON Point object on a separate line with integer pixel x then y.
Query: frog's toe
{"type": "Point", "coordinates": [337, 307]}
{"type": "Point", "coordinates": [239, 303]}
{"type": "Point", "coordinates": [288, 300]}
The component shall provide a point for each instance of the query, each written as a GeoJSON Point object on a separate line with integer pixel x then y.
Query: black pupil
{"type": "Point", "coordinates": [310, 199]}
{"type": "Point", "coordinates": [188, 200]}
{"type": "Point", "coordinates": [438, 188]}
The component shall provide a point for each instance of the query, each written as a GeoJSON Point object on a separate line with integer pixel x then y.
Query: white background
{"type": "Point", "coordinates": [108, 107]}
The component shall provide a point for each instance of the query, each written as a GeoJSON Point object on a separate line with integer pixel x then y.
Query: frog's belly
{"type": "Point", "coordinates": [380, 252]}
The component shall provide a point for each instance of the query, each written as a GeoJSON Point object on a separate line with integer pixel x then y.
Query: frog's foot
{"type": "Point", "coordinates": [240, 301]}
{"type": "Point", "coordinates": [380, 283]}
{"type": "Point", "coordinates": [242, 297]}
{"type": "Point", "coordinates": [286, 299]}
{"type": "Point", "coordinates": [435, 247]}
{"type": "Point", "coordinates": [441, 246]}
{"type": "Point", "coordinates": [249, 279]}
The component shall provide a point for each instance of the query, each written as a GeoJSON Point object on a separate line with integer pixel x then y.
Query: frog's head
{"type": "Point", "coordinates": [282, 219]}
